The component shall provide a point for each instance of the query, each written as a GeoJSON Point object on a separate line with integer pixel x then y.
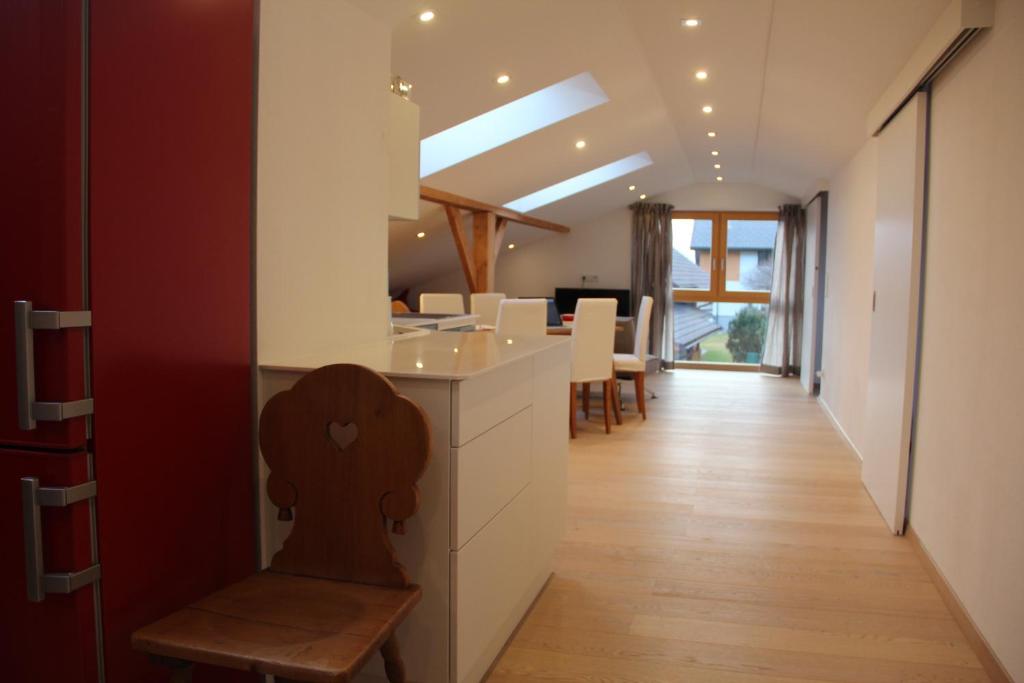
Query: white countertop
{"type": "Point", "coordinates": [441, 322]}
{"type": "Point", "coordinates": [437, 355]}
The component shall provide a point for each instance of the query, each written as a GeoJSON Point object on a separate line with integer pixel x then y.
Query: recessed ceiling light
{"type": "Point", "coordinates": [701, 75]}
{"type": "Point", "coordinates": [421, 235]}
{"type": "Point", "coordinates": [426, 16]}
{"type": "Point", "coordinates": [714, 152]}
{"type": "Point", "coordinates": [503, 79]}
{"type": "Point", "coordinates": [643, 196]}
{"type": "Point", "coordinates": [512, 246]}
{"type": "Point", "coordinates": [419, 364]}
{"type": "Point", "coordinates": [718, 166]}
{"type": "Point", "coordinates": [580, 144]}
{"type": "Point", "coordinates": [707, 109]}
{"type": "Point", "coordinates": [632, 187]}
{"type": "Point", "coordinates": [691, 23]}
{"type": "Point", "coordinates": [712, 134]}
{"type": "Point", "coordinates": [719, 178]}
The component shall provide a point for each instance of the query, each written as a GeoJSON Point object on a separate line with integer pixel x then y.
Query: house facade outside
{"type": "Point", "coordinates": [749, 250]}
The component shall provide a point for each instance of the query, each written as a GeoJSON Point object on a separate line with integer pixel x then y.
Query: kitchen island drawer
{"type": "Point", "coordinates": [494, 573]}
{"type": "Point", "coordinates": [487, 473]}
{"type": "Point", "coordinates": [482, 401]}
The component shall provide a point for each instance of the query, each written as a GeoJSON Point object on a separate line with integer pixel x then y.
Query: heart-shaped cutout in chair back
{"type": "Point", "coordinates": [342, 436]}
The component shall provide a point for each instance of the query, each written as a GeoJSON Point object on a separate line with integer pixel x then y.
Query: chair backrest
{"type": "Point", "coordinates": [485, 305]}
{"type": "Point", "coordinates": [442, 303]}
{"type": "Point", "coordinates": [399, 306]}
{"type": "Point", "coordinates": [345, 449]}
{"type": "Point", "coordinates": [593, 339]}
{"type": "Point", "coordinates": [643, 327]}
{"type": "Point", "coordinates": [522, 318]}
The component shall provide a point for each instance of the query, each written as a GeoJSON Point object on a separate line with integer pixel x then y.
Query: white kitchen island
{"type": "Point", "coordinates": [493, 496]}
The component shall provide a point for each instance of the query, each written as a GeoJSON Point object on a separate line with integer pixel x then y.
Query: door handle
{"type": "Point", "coordinates": [26, 321]}
{"type": "Point", "coordinates": [33, 497]}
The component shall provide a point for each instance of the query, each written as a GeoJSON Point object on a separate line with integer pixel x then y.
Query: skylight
{"type": "Point", "coordinates": [509, 122]}
{"type": "Point", "coordinates": [583, 181]}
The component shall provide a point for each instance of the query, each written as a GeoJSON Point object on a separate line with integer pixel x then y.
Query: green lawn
{"type": "Point", "coordinates": [713, 349]}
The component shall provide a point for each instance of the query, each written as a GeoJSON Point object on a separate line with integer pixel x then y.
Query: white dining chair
{"type": "Point", "coordinates": [442, 303]}
{"type": "Point", "coordinates": [522, 318]}
{"type": "Point", "coordinates": [485, 305]}
{"type": "Point", "coordinates": [636, 363]}
{"type": "Point", "coordinates": [593, 342]}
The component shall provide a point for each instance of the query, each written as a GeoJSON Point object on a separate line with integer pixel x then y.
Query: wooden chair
{"type": "Point", "coordinates": [436, 302]}
{"type": "Point", "coordinates": [485, 305]}
{"type": "Point", "coordinates": [593, 340]}
{"type": "Point", "coordinates": [635, 364]}
{"type": "Point", "coordinates": [522, 318]}
{"type": "Point", "coordinates": [345, 450]}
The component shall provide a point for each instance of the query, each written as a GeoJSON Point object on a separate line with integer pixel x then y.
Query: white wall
{"type": "Point", "coordinates": [601, 246]}
{"type": "Point", "coordinates": [849, 266]}
{"type": "Point", "coordinates": [967, 477]}
{"type": "Point", "coordinates": [322, 184]}
{"type": "Point", "coordinates": [967, 494]}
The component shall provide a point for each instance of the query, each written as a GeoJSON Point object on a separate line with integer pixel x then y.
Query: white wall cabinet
{"type": "Point", "coordinates": [403, 137]}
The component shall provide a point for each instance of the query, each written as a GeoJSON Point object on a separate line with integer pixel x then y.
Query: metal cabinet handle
{"type": "Point", "coordinates": [33, 497]}
{"type": "Point", "coordinates": [26, 321]}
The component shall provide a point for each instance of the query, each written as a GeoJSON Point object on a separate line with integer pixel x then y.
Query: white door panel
{"type": "Point", "coordinates": [898, 232]}
{"type": "Point", "coordinates": [812, 263]}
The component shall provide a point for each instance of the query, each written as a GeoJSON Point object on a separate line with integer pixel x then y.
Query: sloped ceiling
{"type": "Point", "coordinates": [791, 82]}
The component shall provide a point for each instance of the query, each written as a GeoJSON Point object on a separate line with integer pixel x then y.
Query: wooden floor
{"type": "Point", "coordinates": [728, 538]}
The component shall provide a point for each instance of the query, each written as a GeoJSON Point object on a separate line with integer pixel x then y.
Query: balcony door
{"type": "Point", "coordinates": [721, 282]}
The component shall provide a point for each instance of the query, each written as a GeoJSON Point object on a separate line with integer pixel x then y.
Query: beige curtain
{"type": "Point", "coordinates": [786, 306]}
{"type": "Point", "coordinates": [651, 272]}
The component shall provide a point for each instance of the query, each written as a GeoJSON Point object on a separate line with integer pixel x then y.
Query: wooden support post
{"type": "Point", "coordinates": [455, 223]}
{"type": "Point", "coordinates": [499, 235]}
{"type": "Point", "coordinates": [489, 225]}
{"type": "Point", "coordinates": [484, 229]}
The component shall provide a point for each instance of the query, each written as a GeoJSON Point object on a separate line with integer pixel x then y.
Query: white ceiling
{"type": "Point", "coordinates": [791, 82]}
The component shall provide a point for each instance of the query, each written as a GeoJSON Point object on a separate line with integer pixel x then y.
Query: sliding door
{"type": "Point", "coordinates": [899, 226]}
{"type": "Point", "coordinates": [814, 299]}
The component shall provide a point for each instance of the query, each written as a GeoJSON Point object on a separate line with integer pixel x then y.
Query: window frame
{"type": "Point", "coordinates": [719, 258]}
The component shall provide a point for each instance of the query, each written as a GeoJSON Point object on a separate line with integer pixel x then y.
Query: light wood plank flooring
{"type": "Point", "coordinates": [728, 539]}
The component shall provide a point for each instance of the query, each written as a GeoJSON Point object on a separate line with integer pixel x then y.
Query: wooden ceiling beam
{"type": "Point", "coordinates": [448, 199]}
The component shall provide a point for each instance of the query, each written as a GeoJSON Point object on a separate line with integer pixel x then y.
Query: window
{"type": "Point", "coordinates": [509, 122]}
{"type": "Point", "coordinates": [721, 280]}
{"type": "Point", "coordinates": [583, 181]}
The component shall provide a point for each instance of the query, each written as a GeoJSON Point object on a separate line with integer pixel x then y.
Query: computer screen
{"type": "Point", "coordinates": [565, 298]}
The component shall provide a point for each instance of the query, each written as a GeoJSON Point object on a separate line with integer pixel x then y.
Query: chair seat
{"type": "Point", "coordinates": [627, 362]}
{"type": "Point", "coordinates": [580, 379]}
{"type": "Point", "coordinates": [295, 627]}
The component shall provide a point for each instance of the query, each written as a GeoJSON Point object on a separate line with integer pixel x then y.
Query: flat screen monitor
{"type": "Point", "coordinates": [565, 298]}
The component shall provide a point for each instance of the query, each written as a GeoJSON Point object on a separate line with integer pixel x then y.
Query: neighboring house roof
{"type": "Point", "coordinates": [686, 274]}
{"type": "Point", "coordinates": [691, 324]}
{"type": "Point", "coordinates": [742, 235]}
